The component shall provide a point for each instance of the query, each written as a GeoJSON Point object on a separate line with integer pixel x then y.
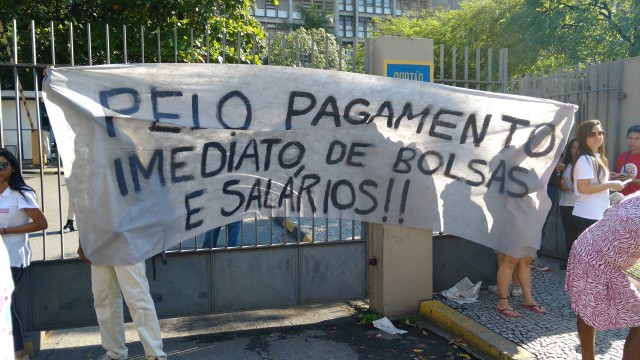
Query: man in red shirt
{"type": "Point", "coordinates": [628, 162]}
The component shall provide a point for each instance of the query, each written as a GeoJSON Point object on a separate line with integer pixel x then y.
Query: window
{"type": "Point", "coordinates": [365, 26]}
{"type": "Point", "coordinates": [346, 26]}
{"type": "Point", "coordinates": [345, 5]}
{"type": "Point", "coordinates": [386, 6]}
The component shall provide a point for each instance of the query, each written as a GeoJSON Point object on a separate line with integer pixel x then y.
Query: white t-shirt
{"type": "Point", "coordinates": [12, 205]}
{"type": "Point", "coordinates": [590, 206]}
{"type": "Point", "coordinates": [6, 288]}
{"type": "Point", "coordinates": [568, 198]}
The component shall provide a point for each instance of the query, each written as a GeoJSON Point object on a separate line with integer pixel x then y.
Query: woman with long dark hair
{"type": "Point", "coordinates": [591, 176]}
{"type": "Point", "coordinates": [568, 196]}
{"type": "Point", "coordinates": [19, 215]}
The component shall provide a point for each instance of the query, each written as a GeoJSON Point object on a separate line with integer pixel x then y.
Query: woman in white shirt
{"type": "Point", "coordinates": [568, 196]}
{"type": "Point", "coordinates": [591, 176]}
{"type": "Point", "coordinates": [19, 215]}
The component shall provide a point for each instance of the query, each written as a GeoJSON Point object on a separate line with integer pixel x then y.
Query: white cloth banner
{"type": "Point", "coordinates": [157, 153]}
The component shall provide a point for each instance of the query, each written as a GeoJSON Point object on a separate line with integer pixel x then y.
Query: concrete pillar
{"type": "Point", "coordinates": [401, 271]}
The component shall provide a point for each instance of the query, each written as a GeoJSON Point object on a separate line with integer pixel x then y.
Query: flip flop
{"type": "Point", "coordinates": [536, 309]}
{"type": "Point", "coordinates": [508, 312]}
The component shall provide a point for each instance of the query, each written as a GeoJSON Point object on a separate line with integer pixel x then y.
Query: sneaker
{"type": "Point", "coordinates": [537, 264]}
{"type": "Point", "coordinates": [516, 291]}
{"type": "Point", "coordinates": [493, 288]}
{"type": "Point", "coordinates": [534, 263]}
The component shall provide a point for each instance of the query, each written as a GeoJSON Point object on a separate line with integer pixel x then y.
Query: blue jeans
{"type": "Point", "coordinates": [233, 235]}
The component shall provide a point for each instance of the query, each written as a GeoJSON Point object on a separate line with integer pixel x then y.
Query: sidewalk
{"type": "Point", "coordinates": [312, 332]}
{"type": "Point", "coordinates": [551, 336]}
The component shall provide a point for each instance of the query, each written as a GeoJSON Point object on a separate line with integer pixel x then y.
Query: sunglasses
{"type": "Point", "coordinates": [596, 133]}
{"type": "Point", "coordinates": [3, 165]}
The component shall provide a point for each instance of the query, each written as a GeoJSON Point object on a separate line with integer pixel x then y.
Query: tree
{"type": "Point", "coordinates": [597, 29]}
{"type": "Point", "coordinates": [312, 17]}
{"type": "Point", "coordinates": [305, 48]}
{"type": "Point", "coordinates": [228, 23]}
{"type": "Point", "coordinates": [540, 34]}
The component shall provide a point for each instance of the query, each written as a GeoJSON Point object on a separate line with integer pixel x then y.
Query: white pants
{"type": "Point", "coordinates": [106, 283]}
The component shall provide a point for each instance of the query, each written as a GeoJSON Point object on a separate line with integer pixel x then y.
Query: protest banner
{"type": "Point", "coordinates": [157, 153]}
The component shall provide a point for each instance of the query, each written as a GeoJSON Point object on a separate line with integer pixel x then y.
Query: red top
{"type": "Point", "coordinates": [629, 163]}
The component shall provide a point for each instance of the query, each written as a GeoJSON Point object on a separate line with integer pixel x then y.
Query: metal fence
{"type": "Point", "coordinates": [30, 48]}
{"type": "Point", "coordinates": [598, 92]}
{"type": "Point", "coordinates": [27, 53]}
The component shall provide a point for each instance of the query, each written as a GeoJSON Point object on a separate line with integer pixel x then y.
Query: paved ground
{"type": "Point", "coordinates": [310, 332]}
{"type": "Point", "coordinates": [551, 336]}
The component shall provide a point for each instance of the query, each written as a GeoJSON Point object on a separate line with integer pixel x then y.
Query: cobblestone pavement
{"type": "Point", "coordinates": [551, 336]}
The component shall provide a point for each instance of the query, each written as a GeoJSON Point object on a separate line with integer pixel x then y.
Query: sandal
{"type": "Point", "coordinates": [535, 308]}
{"type": "Point", "coordinates": [508, 312]}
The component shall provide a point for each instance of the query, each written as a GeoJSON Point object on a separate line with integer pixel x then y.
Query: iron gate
{"type": "Point", "coordinates": [280, 262]}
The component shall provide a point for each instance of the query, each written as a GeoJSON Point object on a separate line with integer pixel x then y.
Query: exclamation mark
{"type": "Point", "coordinates": [388, 199]}
{"type": "Point", "coordinates": [403, 201]}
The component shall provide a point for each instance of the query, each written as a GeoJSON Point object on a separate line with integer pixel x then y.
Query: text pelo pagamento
{"type": "Point", "coordinates": [253, 157]}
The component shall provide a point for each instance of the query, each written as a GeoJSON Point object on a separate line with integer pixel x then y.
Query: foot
{"type": "Point", "coordinates": [508, 312]}
{"type": "Point", "coordinates": [535, 308]}
{"type": "Point", "coordinates": [68, 228]}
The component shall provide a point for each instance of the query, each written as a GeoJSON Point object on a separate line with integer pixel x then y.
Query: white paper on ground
{"type": "Point", "coordinates": [385, 324]}
{"type": "Point", "coordinates": [464, 292]}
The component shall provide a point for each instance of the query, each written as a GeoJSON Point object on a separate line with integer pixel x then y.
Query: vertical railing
{"type": "Point", "coordinates": [125, 45]}
{"type": "Point", "coordinates": [484, 69]}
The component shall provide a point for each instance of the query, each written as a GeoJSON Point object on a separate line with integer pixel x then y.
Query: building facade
{"type": "Point", "coordinates": [352, 19]}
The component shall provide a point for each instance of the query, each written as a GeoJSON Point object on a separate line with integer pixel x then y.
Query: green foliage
{"type": "Point", "coordinates": [179, 26]}
{"type": "Point", "coordinates": [312, 17]}
{"type": "Point", "coordinates": [305, 48]}
{"type": "Point", "coordinates": [366, 316]}
{"type": "Point", "coordinates": [540, 34]}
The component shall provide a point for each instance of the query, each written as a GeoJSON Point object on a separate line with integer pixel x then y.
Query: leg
{"type": "Point", "coordinates": [567, 224]}
{"type": "Point", "coordinates": [587, 335]}
{"type": "Point", "coordinates": [524, 273]}
{"type": "Point", "coordinates": [505, 270]}
{"type": "Point", "coordinates": [16, 323]}
{"type": "Point", "coordinates": [516, 277]}
{"type": "Point", "coordinates": [71, 215]}
{"type": "Point", "coordinates": [107, 302]}
{"type": "Point", "coordinates": [135, 289]}
{"type": "Point", "coordinates": [632, 345]}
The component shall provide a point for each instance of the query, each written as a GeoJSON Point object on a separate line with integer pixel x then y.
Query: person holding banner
{"type": "Point", "coordinates": [108, 285]}
{"type": "Point", "coordinates": [591, 176]}
{"type": "Point", "coordinates": [19, 215]}
{"type": "Point", "coordinates": [628, 162]}
{"type": "Point", "coordinates": [602, 293]}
